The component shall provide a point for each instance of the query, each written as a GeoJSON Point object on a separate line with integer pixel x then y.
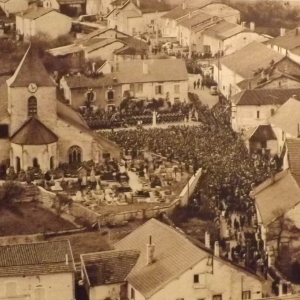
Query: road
{"type": "Point", "coordinates": [204, 95]}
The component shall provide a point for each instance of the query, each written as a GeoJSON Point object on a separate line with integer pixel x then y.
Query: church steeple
{"type": "Point", "coordinates": [30, 70]}
{"type": "Point", "coordinates": [31, 92]}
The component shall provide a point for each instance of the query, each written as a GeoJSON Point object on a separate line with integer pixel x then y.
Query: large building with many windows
{"type": "Point", "coordinates": [36, 130]}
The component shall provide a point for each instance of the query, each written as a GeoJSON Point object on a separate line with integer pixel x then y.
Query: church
{"type": "Point", "coordinates": [37, 130]}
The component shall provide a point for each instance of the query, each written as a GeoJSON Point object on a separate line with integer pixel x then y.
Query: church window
{"type": "Point", "coordinates": [75, 154]}
{"type": "Point", "coordinates": [32, 107]}
{"type": "Point", "coordinates": [3, 131]}
{"type": "Point", "coordinates": [35, 163]}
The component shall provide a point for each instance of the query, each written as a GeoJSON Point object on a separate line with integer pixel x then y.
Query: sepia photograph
{"type": "Point", "coordinates": [149, 149]}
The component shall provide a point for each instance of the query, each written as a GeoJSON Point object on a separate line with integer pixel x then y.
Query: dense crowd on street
{"type": "Point", "coordinates": [229, 173]}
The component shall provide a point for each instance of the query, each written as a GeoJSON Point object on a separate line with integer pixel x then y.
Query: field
{"type": "Point", "coordinates": [29, 218]}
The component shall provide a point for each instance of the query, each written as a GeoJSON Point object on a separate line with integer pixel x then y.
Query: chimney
{"type": "Point", "coordinates": [249, 85]}
{"type": "Point", "coordinates": [145, 68]}
{"type": "Point", "coordinates": [243, 24]}
{"type": "Point", "coordinates": [207, 239]}
{"type": "Point", "coordinates": [252, 26]}
{"type": "Point", "coordinates": [282, 31]}
{"type": "Point", "coordinates": [150, 252]}
{"type": "Point", "coordinates": [183, 5]}
{"type": "Point", "coordinates": [138, 3]}
{"type": "Point", "coordinates": [297, 31]}
{"type": "Point", "coordinates": [67, 259]}
{"type": "Point", "coordinates": [217, 249]}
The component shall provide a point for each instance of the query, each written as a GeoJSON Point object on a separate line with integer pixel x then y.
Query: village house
{"type": "Point", "coordinates": [104, 274]}
{"type": "Point", "coordinates": [252, 107]}
{"type": "Point", "coordinates": [243, 65]}
{"type": "Point", "coordinates": [288, 44]}
{"type": "Point", "coordinates": [41, 20]}
{"type": "Point", "coordinates": [143, 79]}
{"type": "Point", "coordinates": [225, 38]}
{"type": "Point", "coordinates": [138, 16]}
{"type": "Point", "coordinates": [155, 248]}
{"type": "Point", "coordinates": [285, 122]}
{"type": "Point", "coordinates": [260, 139]}
{"type": "Point", "coordinates": [13, 6]}
{"type": "Point", "coordinates": [108, 44]}
{"type": "Point", "coordinates": [171, 21]}
{"type": "Point", "coordinates": [37, 271]}
{"type": "Point", "coordinates": [40, 131]}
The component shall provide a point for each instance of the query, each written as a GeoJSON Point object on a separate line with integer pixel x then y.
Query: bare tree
{"type": "Point", "coordinates": [279, 230]}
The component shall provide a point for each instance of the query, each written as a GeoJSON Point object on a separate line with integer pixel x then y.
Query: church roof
{"type": "Point", "coordinates": [30, 70]}
{"type": "Point", "coordinates": [33, 132]}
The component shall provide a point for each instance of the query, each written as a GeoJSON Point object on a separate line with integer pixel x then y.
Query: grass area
{"type": "Point", "coordinates": [29, 218]}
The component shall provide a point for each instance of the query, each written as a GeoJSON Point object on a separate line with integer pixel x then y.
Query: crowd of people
{"type": "Point", "coordinates": [229, 173]}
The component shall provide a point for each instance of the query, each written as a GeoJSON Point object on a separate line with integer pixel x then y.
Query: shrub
{"type": "Point", "coordinates": [9, 192]}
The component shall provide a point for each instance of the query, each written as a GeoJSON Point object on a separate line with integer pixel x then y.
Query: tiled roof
{"type": "Point", "coordinates": [30, 70]}
{"type": "Point", "coordinates": [36, 259]}
{"type": "Point", "coordinates": [283, 194]}
{"type": "Point", "coordinates": [160, 70]}
{"type": "Point", "coordinates": [224, 30]}
{"type": "Point", "coordinates": [206, 24]}
{"type": "Point", "coordinates": [179, 12]}
{"type": "Point", "coordinates": [109, 267]}
{"type": "Point", "coordinates": [264, 96]}
{"type": "Point", "coordinates": [129, 51]}
{"type": "Point", "coordinates": [289, 41]}
{"type": "Point", "coordinates": [78, 82]}
{"type": "Point", "coordinates": [65, 50]}
{"type": "Point", "coordinates": [287, 117]}
{"type": "Point", "coordinates": [250, 58]}
{"type": "Point", "coordinates": [293, 148]}
{"type": "Point", "coordinates": [296, 50]}
{"type": "Point", "coordinates": [260, 133]}
{"type": "Point", "coordinates": [34, 14]}
{"type": "Point", "coordinates": [195, 19]}
{"type": "Point", "coordinates": [33, 132]}
{"type": "Point", "coordinates": [174, 254]}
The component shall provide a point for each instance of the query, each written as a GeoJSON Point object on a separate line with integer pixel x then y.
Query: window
{"type": "Point", "coordinates": [246, 295]}
{"type": "Point", "coordinates": [257, 114]}
{"type": "Point", "coordinates": [177, 89]}
{"type": "Point", "coordinates": [3, 131]}
{"type": "Point", "coordinates": [39, 294]}
{"type": "Point", "coordinates": [11, 289]}
{"type": "Point", "coordinates": [132, 294]}
{"type": "Point", "coordinates": [196, 278]}
{"type": "Point", "coordinates": [131, 87]}
{"type": "Point", "coordinates": [152, 21]}
{"type": "Point", "coordinates": [75, 154]}
{"type": "Point", "coordinates": [159, 90]}
{"type": "Point", "coordinates": [35, 163]}
{"type": "Point", "coordinates": [32, 107]}
{"type": "Point", "coordinates": [272, 111]}
{"type": "Point", "coordinates": [217, 297]}
{"type": "Point", "coordinates": [110, 95]}
{"type": "Point", "coordinates": [140, 87]}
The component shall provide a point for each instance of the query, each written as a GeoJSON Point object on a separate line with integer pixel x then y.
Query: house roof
{"type": "Point", "coordinates": [206, 24]}
{"type": "Point", "coordinates": [283, 194]}
{"type": "Point", "coordinates": [289, 41]}
{"type": "Point", "coordinates": [264, 96]}
{"type": "Point", "coordinates": [147, 6]}
{"type": "Point", "coordinates": [33, 132]}
{"type": "Point", "coordinates": [3, 98]}
{"type": "Point", "coordinates": [34, 14]}
{"type": "Point", "coordinates": [195, 19]}
{"type": "Point", "coordinates": [174, 254]}
{"type": "Point", "coordinates": [287, 117]}
{"type": "Point", "coordinates": [224, 30]}
{"type": "Point", "coordinates": [78, 82]}
{"type": "Point", "coordinates": [131, 13]}
{"type": "Point", "coordinates": [260, 133]}
{"type": "Point", "coordinates": [179, 12]}
{"type": "Point", "coordinates": [68, 2]}
{"type": "Point", "coordinates": [65, 50]}
{"type": "Point", "coordinates": [70, 116]}
{"type": "Point", "coordinates": [109, 267]}
{"type": "Point", "coordinates": [160, 70]}
{"type": "Point", "coordinates": [250, 58]}
{"type": "Point", "coordinates": [126, 50]}
{"type": "Point", "coordinates": [30, 70]}
{"type": "Point", "coordinates": [36, 259]}
{"type": "Point", "coordinates": [293, 148]}
{"type": "Point", "coordinates": [296, 50]}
